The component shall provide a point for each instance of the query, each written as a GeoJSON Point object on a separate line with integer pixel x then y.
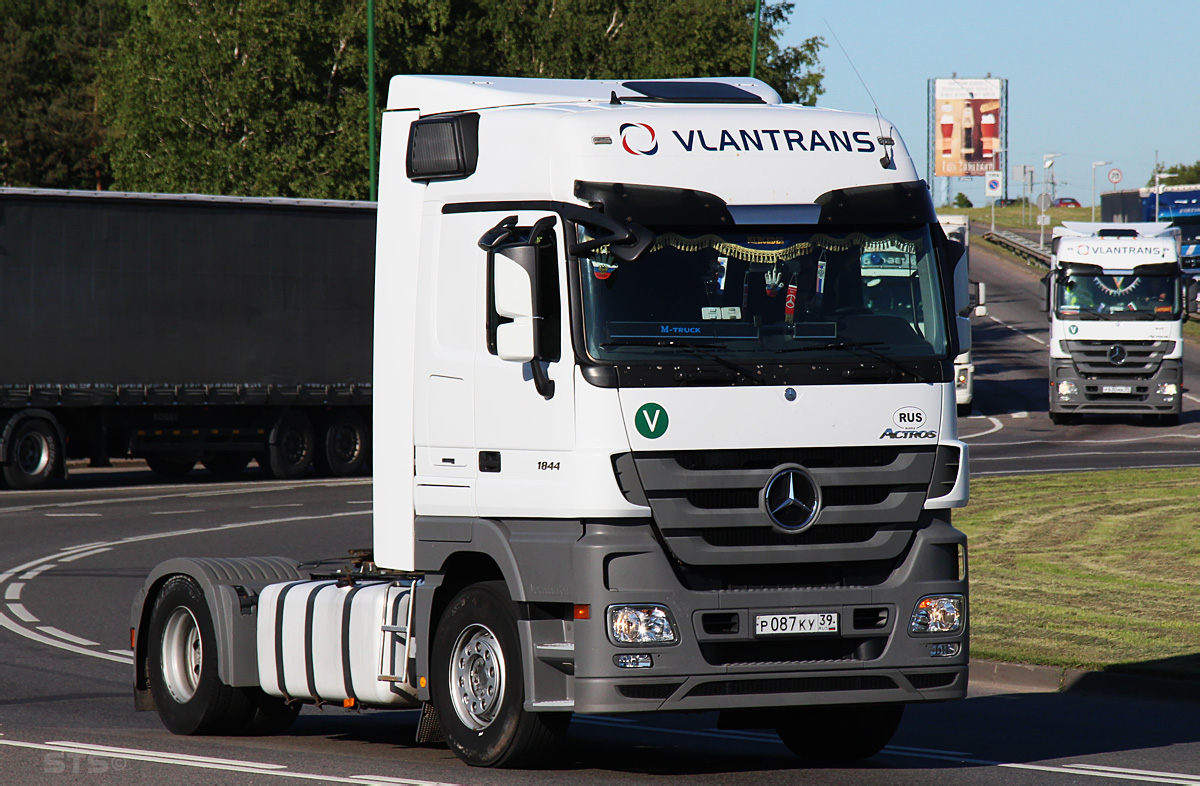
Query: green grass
{"type": "Point", "coordinates": [1097, 570]}
{"type": "Point", "coordinates": [1010, 217]}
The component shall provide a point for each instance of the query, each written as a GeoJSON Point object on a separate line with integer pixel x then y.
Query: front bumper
{"type": "Point", "coordinates": [1099, 394]}
{"type": "Point", "coordinates": [718, 663]}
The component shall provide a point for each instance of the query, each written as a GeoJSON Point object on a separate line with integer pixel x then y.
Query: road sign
{"type": "Point", "coordinates": [1043, 201]}
{"type": "Point", "coordinates": [993, 184]}
{"type": "Point", "coordinates": [1114, 176]}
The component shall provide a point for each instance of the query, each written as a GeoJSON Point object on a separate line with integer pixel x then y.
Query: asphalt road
{"type": "Point", "coordinates": [74, 559]}
{"type": "Point", "coordinates": [1010, 431]}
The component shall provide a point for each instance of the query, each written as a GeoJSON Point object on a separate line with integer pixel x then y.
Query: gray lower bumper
{"type": "Point", "coordinates": [1115, 394]}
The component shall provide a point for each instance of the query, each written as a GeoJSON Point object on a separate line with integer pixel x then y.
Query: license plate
{"type": "Point", "coordinates": [1116, 389]}
{"type": "Point", "coordinates": [787, 624]}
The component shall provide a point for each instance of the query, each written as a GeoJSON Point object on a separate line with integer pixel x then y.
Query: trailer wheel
{"type": "Point", "coordinates": [226, 465]}
{"type": "Point", "coordinates": [344, 445]}
{"type": "Point", "coordinates": [291, 452]}
{"type": "Point", "coordinates": [182, 653]}
{"type": "Point", "coordinates": [478, 687]}
{"type": "Point", "coordinates": [173, 467]}
{"type": "Point", "coordinates": [839, 733]}
{"type": "Point", "coordinates": [33, 454]}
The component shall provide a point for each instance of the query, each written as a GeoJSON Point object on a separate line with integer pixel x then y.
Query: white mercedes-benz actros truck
{"type": "Point", "coordinates": [1115, 300]}
{"type": "Point", "coordinates": [669, 451]}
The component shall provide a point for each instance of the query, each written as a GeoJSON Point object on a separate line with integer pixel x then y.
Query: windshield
{"type": "Point", "coordinates": [1090, 296]}
{"type": "Point", "coordinates": [761, 295]}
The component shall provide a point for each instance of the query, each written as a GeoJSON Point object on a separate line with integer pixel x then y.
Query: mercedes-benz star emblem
{"type": "Point", "coordinates": [1117, 354]}
{"type": "Point", "coordinates": [792, 498]}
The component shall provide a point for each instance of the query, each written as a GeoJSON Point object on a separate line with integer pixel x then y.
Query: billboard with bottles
{"type": "Point", "coordinates": [968, 126]}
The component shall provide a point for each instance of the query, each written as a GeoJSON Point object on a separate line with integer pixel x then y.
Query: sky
{"type": "Point", "coordinates": [1093, 80]}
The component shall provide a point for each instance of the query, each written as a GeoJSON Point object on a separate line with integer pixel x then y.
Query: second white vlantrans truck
{"type": "Point", "coordinates": [655, 443]}
{"type": "Point", "coordinates": [1115, 300]}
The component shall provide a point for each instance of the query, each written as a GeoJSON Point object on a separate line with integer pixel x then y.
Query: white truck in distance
{"type": "Point", "coordinates": [1115, 299]}
{"type": "Point", "coordinates": [667, 454]}
{"type": "Point", "coordinates": [958, 228]}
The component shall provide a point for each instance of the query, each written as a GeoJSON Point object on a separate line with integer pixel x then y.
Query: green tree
{"type": "Point", "coordinates": [1185, 174]}
{"type": "Point", "coordinates": [961, 200]}
{"type": "Point", "coordinates": [50, 132]}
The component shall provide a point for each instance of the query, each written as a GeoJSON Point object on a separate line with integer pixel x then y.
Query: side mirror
{"type": "Point", "coordinates": [981, 299]}
{"type": "Point", "coordinates": [1045, 305]}
{"type": "Point", "coordinates": [964, 334]}
{"type": "Point", "coordinates": [1191, 291]}
{"type": "Point", "coordinates": [523, 311]}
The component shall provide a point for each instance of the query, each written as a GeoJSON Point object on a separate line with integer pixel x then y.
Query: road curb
{"type": "Point", "coordinates": [1023, 677]}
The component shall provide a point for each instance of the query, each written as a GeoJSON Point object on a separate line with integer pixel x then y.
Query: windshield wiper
{"type": "Point", "coordinates": [700, 350]}
{"type": "Point", "coordinates": [865, 346]}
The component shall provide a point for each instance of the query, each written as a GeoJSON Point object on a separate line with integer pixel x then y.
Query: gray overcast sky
{"type": "Point", "coordinates": [1094, 81]}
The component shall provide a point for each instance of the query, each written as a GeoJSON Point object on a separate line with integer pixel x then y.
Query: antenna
{"type": "Point", "coordinates": [886, 160]}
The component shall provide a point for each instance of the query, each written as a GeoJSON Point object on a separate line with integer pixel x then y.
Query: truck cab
{"type": "Point", "coordinates": [666, 369]}
{"type": "Point", "coordinates": [1116, 305]}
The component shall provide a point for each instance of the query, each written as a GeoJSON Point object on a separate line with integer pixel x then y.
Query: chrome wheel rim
{"type": "Point", "coordinates": [182, 655]}
{"type": "Point", "coordinates": [477, 677]}
{"type": "Point", "coordinates": [33, 453]}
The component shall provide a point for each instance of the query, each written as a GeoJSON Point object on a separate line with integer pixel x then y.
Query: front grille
{"type": "Point", "coordinates": [791, 685]}
{"type": "Point", "coordinates": [1142, 358]}
{"type": "Point", "coordinates": [706, 504]}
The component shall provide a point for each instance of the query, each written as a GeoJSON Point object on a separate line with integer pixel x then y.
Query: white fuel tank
{"type": "Point", "coordinates": [324, 642]}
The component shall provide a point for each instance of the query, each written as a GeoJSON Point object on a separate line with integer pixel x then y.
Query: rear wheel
{"type": "Point", "coordinates": [33, 456]}
{"type": "Point", "coordinates": [344, 445]}
{"type": "Point", "coordinates": [963, 410]}
{"type": "Point", "coordinates": [479, 691]}
{"type": "Point", "coordinates": [840, 733]}
{"type": "Point", "coordinates": [290, 454]}
{"type": "Point", "coordinates": [182, 666]}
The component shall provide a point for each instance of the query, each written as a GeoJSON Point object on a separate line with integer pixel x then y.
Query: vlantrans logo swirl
{"type": "Point", "coordinates": [638, 133]}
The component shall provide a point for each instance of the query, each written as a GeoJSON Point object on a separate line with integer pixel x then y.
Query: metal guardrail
{"type": "Point", "coordinates": [1021, 246]}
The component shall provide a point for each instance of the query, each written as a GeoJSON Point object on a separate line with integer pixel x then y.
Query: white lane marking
{"type": "Point", "coordinates": [82, 554]}
{"type": "Point", "coordinates": [1058, 470]}
{"type": "Point", "coordinates": [1029, 336]}
{"type": "Point", "coordinates": [205, 763]}
{"type": "Point", "coordinates": [1081, 453]}
{"type": "Point", "coordinates": [282, 505]}
{"type": "Point", "coordinates": [359, 502]}
{"type": "Point", "coordinates": [13, 591]}
{"type": "Point", "coordinates": [19, 610]}
{"type": "Point", "coordinates": [1190, 397]}
{"type": "Point", "coordinates": [1061, 770]}
{"type": "Point", "coordinates": [1120, 441]}
{"type": "Point", "coordinates": [996, 426]}
{"type": "Point", "coordinates": [62, 634]}
{"type": "Point", "coordinates": [126, 653]}
{"type": "Point", "coordinates": [71, 515]}
{"type": "Point", "coordinates": [926, 750]}
{"type": "Point", "coordinates": [174, 512]}
{"type": "Point", "coordinates": [34, 567]}
{"type": "Point", "coordinates": [33, 574]}
{"type": "Point", "coordinates": [1136, 772]}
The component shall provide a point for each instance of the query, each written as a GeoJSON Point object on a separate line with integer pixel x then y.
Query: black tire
{"type": "Point", "coordinates": [290, 454]}
{"type": "Point", "coordinates": [345, 445]}
{"type": "Point", "coordinates": [173, 467]}
{"type": "Point", "coordinates": [226, 465]}
{"type": "Point", "coordinates": [841, 733]}
{"type": "Point", "coordinates": [34, 453]}
{"type": "Point", "coordinates": [1162, 421]}
{"type": "Point", "coordinates": [182, 666]}
{"type": "Point", "coordinates": [1063, 419]}
{"type": "Point", "coordinates": [478, 687]}
{"type": "Point", "coordinates": [271, 715]}
{"type": "Point", "coordinates": [963, 410]}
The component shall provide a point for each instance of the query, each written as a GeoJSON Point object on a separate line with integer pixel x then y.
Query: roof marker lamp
{"type": "Point", "coordinates": [641, 624]}
{"type": "Point", "coordinates": [938, 614]}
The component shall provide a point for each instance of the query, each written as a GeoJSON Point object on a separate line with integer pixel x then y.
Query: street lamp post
{"type": "Point", "coordinates": [1158, 189]}
{"type": "Point", "coordinates": [1047, 162]}
{"type": "Point", "coordinates": [1094, 165]}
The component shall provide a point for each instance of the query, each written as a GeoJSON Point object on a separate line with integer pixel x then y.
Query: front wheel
{"type": "Point", "coordinates": [841, 733]}
{"type": "Point", "coordinates": [479, 688]}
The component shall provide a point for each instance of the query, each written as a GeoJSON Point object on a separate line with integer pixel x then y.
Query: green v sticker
{"type": "Point", "coordinates": [651, 421]}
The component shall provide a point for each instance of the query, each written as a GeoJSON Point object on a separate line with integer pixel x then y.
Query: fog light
{"type": "Point", "coordinates": [643, 624]}
{"type": "Point", "coordinates": [1168, 389]}
{"type": "Point", "coordinates": [937, 614]}
{"type": "Point", "coordinates": [639, 661]}
{"type": "Point", "coordinates": [946, 650]}
{"type": "Point", "coordinates": [1067, 389]}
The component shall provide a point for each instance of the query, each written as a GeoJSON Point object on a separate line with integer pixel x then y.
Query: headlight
{"type": "Point", "coordinates": [961, 379]}
{"type": "Point", "coordinates": [1168, 389]}
{"type": "Point", "coordinates": [1067, 389]}
{"type": "Point", "coordinates": [937, 614]}
{"type": "Point", "coordinates": [642, 624]}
